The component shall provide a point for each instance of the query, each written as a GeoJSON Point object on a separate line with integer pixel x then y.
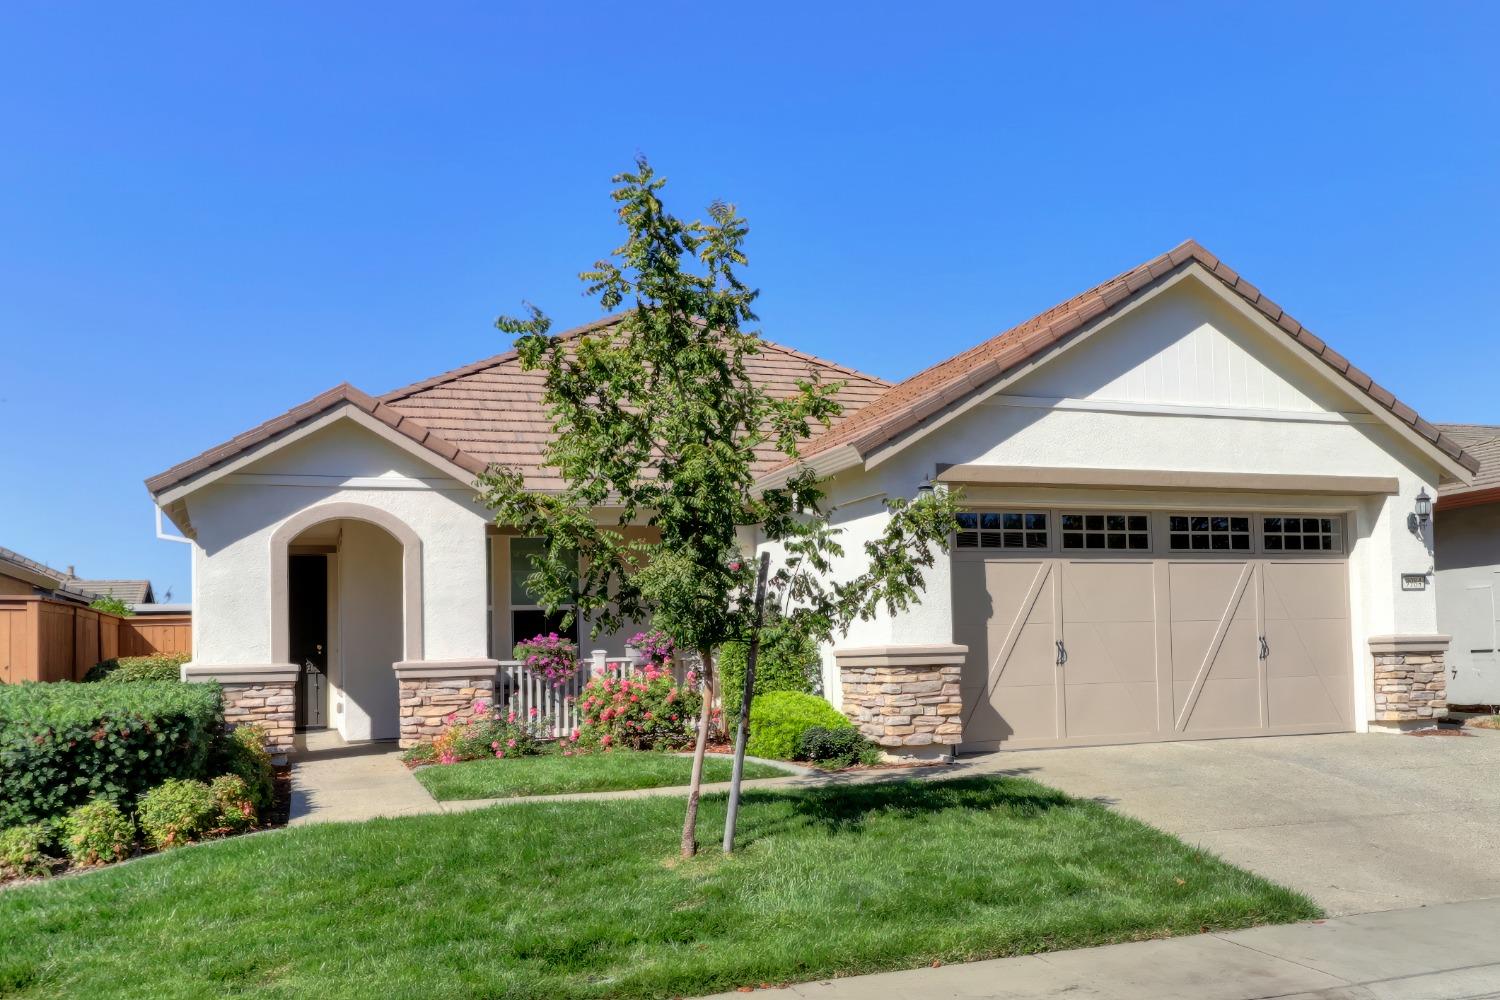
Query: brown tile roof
{"type": "Point", "coordinates": [1483, 442]}
{"type": "Point", "coordinates": [493, 410]}
{"type": "Point", "coordinates": [297, 415]}
{"type": "Point", "coordinates": [63, 583]}
{"type": "Point", "coordinates": [929, 392]}
{"type": "Point", "coordinates": [129, 591]}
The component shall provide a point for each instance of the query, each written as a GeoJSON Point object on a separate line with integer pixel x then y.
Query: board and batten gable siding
{"type": "Point", "coordinates": [1183, 382]}
{"type": "Point", "coordinates": [234, 519]}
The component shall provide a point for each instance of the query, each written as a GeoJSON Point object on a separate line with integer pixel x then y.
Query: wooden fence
{"type": "Point", "coordinates": [42, 639]}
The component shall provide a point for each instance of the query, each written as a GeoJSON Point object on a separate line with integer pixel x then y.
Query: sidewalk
{"type": "Point", "coordinates": [1448, 951]}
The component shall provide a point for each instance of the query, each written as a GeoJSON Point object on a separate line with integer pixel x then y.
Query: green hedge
{"type": "Point", "coordinates": [779, 718]}
{"type": "Point", "coordinates": [788, 661]}
{"type": "Point", "coordinates": [129, 669]}
{"type": "Point", "coordinates": [63, 744]}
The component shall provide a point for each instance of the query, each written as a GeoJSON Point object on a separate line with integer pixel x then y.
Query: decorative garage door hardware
{"type": "Point", "coordinates": [1111, 646]}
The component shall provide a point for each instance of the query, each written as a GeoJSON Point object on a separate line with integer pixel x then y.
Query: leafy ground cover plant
{"type": "Point", "coordinates": [62, 744]}
{"type": "Point", "coordinates": [128, 669]}
{"type": "Point", "coordinates": [242, 752]}
{"type": "Point", "coordinates": [842, 746]}
{"type": "Point", "coordinates": [779, 719]}
{"type": "Point", "coordinates": [231, 795]}
{"type": "Point", "coordinates": [176, 812]}
{"type": "Point", "coordinates": [97, 833]}
{"type": "Point", "coordinates": [492, 733]}
{"type": "Point", "coordinates": [23, 850]}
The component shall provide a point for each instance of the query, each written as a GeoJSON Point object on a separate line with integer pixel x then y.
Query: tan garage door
{"type": "Point", "coordinates": [1138, 631]}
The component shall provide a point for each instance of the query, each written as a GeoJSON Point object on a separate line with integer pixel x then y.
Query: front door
{"type": "Point", "coordinates": [307, 596]}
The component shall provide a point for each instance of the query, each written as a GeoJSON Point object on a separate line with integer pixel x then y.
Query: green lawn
{"type": "Point", "coordinates": [551, 774]}
{"type": "Point", "coordinates": [570, 899]}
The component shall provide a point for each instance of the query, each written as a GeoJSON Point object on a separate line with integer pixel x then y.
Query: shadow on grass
{"type": "Point", "coordinates": [846, 809]}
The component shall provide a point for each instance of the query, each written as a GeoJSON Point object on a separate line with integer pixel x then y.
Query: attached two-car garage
{"type": "Point", "coordinates": [1095, 626]}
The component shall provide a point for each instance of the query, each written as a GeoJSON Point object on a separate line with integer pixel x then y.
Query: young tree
{"type": "Point", "coordinates": [656, 422]}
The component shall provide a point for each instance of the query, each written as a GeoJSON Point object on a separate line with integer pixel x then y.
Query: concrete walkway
{"type": "Point", "coordinates": [334, 782]}
{"type": "Point", "coordinates": [1444, 952]}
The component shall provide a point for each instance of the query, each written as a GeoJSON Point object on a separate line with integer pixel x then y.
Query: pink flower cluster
{"type": "Point", "coordinates": [550, 655]}
{"type": "Point", "coordinates": [643, 711]}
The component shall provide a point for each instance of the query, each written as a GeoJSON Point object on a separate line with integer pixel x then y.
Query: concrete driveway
{"type": "Point", "coordinates": [1357, 822]}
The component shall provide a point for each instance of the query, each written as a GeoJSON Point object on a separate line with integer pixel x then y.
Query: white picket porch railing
{"type": "Point", "coordinates": [520, 690]}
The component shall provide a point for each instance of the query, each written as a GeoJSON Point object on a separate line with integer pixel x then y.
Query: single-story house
{"type": "Point", "coordinates": [1468, 570]}
{"type": "Point", "coordinates": [1186, 517]}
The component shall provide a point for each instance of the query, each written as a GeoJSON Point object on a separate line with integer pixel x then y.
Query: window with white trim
{"type": "Point", "coordinates": [528, 618]}
{"type": "Point", "coordinates": [1208, 532]}
{"type": "Point", "coordinates": [1105, 531]}
{"type": "Point", "coordinates": [1001, 530]}
{"type": "Point", "coordinates": [1300, 534]}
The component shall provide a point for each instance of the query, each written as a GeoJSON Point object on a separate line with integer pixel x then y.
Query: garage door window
{"type": "Point", "coordinates": [1208, 533]}
{"type": "Point", "coordinates": [1001, 530]}
{"type": "Point", "coordinates": [1300, 534]}
{"type": "Point", "coordinates": [1106, 531]}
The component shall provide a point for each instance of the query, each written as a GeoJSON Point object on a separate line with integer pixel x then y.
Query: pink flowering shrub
{"type": "Point", "coordinates": [647, 711]}
{"type": "Point", "coordinates": [550, 655]}
{"type": "Point", "coordinates": [657, 648]}
{"type": "Point", "coordinates": [494, 734]}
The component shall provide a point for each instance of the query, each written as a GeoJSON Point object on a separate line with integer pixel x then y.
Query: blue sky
{"type": "Point", "coordinates": [209, 213]}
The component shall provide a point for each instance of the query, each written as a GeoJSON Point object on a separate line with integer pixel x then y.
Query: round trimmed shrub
{"type": "Point", "coordinates": [779, 718]}
{"type": "Point", "coordinates": [834, 748]}
{"type": "Point", "coordinates": [23, 850]}
{"type": "Point", "coordinates": [788, 661]}
{"type": "Point", "coordinates": [97, 832]}
{"type": "Point", "coordinates": [232, 797]}
{"type": "Point", "coordinates": [178, 811]}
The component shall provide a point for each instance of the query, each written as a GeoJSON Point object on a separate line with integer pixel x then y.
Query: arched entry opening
{"type": "Point", "coordinates": [346, 606]}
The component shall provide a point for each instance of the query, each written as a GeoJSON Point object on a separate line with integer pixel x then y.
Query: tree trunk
{"type": "Point", "coordinates": [700, 750]}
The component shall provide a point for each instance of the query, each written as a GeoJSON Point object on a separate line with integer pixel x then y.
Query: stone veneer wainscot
{"type": "Point", "coordinates": [434, 690]}
{"type": "Point", "coordinates": [905, 698]}
{"type": "Point", "coordinates": [1411, 680]}
{"type": "Point", "coordinates": [263, 694]}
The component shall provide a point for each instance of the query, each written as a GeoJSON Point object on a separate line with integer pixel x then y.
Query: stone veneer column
{"type": "Point", "coordinates": [433, 690]}
{"type": "Point", "coordinates": [905, 698]}
{"type": "Point", "coordinates": [1411, 680]}
{"type": "Point", "coordinates": [263, 694]}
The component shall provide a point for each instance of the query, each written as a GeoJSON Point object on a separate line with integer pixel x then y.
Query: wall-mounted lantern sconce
{"type": "Point", "coordinates": [926, 489]}
{"type": "Point", "coordinates": [1419, 519]}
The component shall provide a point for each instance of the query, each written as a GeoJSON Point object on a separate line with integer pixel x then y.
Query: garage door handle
{"type": "Point", "coordinates": [1265, 651]}
{"type": "Point", "coordinates": [1062, 653]}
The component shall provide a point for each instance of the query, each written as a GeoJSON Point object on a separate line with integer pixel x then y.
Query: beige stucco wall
{"type": "Point", "coordinates": [234, 519]}
{"type": "Point", "coordinates": [1211, 392]}
{"type": "Point", "coordinates": [368, 611]}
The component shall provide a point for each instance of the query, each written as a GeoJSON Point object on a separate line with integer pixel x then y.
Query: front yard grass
{"type": "Point", "coordinates": [553, 774]}
{"type": "Point", "coordinates": [587, 899]}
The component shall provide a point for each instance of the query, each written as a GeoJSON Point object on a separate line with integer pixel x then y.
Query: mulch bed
{"type": "Point", "coordinates": [275, 815]}
{"type": "Point", "coordinates": [1437, 731]}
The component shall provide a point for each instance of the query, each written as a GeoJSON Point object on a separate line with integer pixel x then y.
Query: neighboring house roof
{"type": "Point", "coordinates": [339, 395]}
{"type": "Point", "coordinates": [912, 402]}
{"type": "Point", "coordinates": [129, 591]}
{"type": "Point", "coordinates": [44, 577]}
{"type": "Point", "coordinates": [1483, 442]}
{"type": "Point", "coordinates": [493, 410]}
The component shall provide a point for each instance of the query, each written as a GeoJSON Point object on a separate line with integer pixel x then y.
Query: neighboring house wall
{"type": "Point", "coordinates": [1468, 592]}
{"type": "Point", "coordinates": [10, 585]}
{"type": "Point", "coordinates": [1202, 389]}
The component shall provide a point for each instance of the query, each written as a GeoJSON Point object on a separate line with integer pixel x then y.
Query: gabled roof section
{"type": "Point", "coordinates": [493, 410]}
{"type": "Point", "coordinates": [42, 576]}
{"type": "Point", "coordinates": [339, 395]}
{"type": "Point", "coordinates": [910, 403]}
{"type": "Point", "coordinates": [1482, 441]}
{"type": "Point", "coordinates": [129, 591]}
